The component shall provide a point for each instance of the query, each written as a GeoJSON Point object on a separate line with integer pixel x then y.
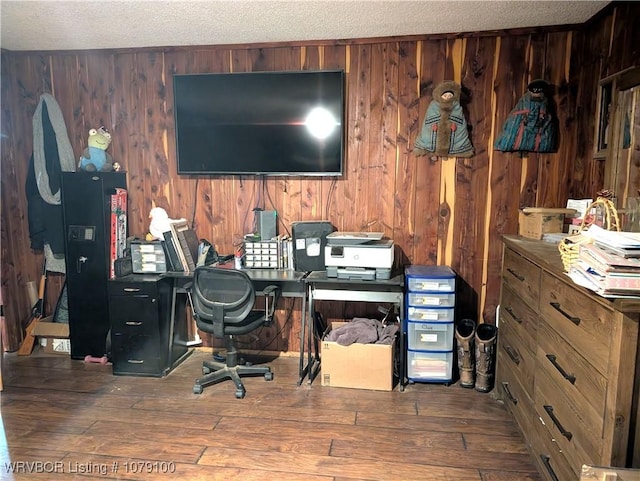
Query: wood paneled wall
{"type": "Point", "coordinates": [447, 211]}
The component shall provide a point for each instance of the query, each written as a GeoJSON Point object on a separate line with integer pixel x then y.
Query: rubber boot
{"type": "Point", "coordinates": [486, 335]}
{"type": "Point", "coordinates": [465, 337]}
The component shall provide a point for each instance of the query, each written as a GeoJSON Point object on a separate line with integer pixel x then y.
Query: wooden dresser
{"type": "Point", "coordinates": [566, 364]}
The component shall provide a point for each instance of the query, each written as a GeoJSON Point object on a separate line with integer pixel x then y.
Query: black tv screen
{"type": "Point", "coordinates": [260, 123]}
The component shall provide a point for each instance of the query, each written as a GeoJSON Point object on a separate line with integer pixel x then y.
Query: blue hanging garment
{"type": "Point", "coordinates": [530, 126]}
{"type": "Point", "coordinates": [444, 130]}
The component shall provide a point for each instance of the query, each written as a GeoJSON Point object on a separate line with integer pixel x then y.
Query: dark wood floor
{"type": "Point", "coordinates": [78, 421]}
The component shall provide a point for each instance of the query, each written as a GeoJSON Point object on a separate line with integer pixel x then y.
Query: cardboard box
{"type": "Point", "coordinates": [56, 335]}
{"type": "Point", "coordinates": [57, 346]}
{"type": "Point", "coordinates": [536, 221]}
{"type": "Point", "coordinates": [359, 366]}
{"type": "Point", "coordinates": [47, 328]}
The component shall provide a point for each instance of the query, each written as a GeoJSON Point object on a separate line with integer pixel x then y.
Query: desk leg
{"type": "Point", "coordinates": [310, 328]}
{"type": "Point", "coordinates": [403, 348]}
{"type": "Point", "coordinates": [172, 321]}
{"type": "Point", "coordinates": [302, 372]}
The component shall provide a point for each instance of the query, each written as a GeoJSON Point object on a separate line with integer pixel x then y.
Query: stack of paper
{"type": "Point", "coordinates": [625, 244]}
{"type": "Point", "coordinates": [605, 272]}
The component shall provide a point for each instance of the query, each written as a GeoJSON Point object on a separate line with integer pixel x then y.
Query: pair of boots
{"type": "Point", "coordinates": [476, 354]}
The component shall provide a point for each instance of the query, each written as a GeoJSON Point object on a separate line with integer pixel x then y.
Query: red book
{"type": "Point", "coordinates": [118, 240]}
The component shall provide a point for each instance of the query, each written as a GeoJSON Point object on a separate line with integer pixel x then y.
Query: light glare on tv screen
{"type": "Point", "coordinates": [260, 123]}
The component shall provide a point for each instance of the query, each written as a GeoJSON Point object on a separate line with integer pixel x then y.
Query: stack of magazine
{"type": "Point", "coordinates": [610, 264]}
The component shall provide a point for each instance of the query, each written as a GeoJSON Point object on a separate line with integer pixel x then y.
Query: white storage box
{"type": "Point", "coordinates": [429, 366]}
{"type": "Point", "coordinates": [430, 336]}
{"type": "Point", "coordinates": [431, 299]}
{"type": "Point", "coordinates": [435, 314]}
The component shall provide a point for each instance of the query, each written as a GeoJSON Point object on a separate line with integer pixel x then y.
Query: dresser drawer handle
{"type": "Point", "coordinates": [515, 318]}
{"type": "Point", "coordinates": [553, 417]}
{"type": "Point", "coordinates": [513, 355]}
{"type": "Point", "coordinates": [515, 274]}
{"type": "Point", "coordinates": [505, 386]}
{"type": "Point", "coordinates": [545, 460]}
{"type": "Point", "coordinates": [556, 306]}
{"type": "Point", "coordinates": [135, 361]}
{"type": "Point", "coordinates": [133, 323]}
{"type": "Point", "coordinates": [569, 377]}
{"type": "Point", "coordinates": [131, 289]}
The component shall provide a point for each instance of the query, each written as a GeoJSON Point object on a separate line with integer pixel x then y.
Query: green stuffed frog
{"type": "Point", "coordinates": [95, 157]}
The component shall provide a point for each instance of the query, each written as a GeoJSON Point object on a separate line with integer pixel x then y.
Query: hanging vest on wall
{"type": "Point", "coordinates": [444, 130]}
{"type": "Point", "coordinates": [530, 126]}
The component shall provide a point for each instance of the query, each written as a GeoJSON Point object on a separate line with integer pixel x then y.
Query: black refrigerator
{"type": "Point", "coordinates": [94, 226]}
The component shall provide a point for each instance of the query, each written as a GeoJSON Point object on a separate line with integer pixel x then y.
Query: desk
{"type": "Point", "coordinates": [319, 287]}
{"type": "Point", "coordinates": [289, 282]}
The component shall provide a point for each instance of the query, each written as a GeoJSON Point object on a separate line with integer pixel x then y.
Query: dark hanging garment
{"type": "Point", "coordinates": [45, 220]}
{"type": "Point", "coordinates": [52, 154]}
{"type": "Point", "coordinates": [531, 125]}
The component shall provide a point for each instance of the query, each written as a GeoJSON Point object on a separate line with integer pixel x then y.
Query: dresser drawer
{"type": "Point", "coordinates": [551, 461]}
{"type": "Point", "coordinates": [516, 316]}
{"type": "Point", "coordinates": [516, 354]}
{"type": "Point", "coordinates": [515, 397]}
{"type": "Point", "coordinates": [522, 276]}
{"type": "Point", "coordinates": [566, 424]}
{"type": "Point", "coordinates": [585, 324]}
{"type": "Point", "coordinates": [573, 377]}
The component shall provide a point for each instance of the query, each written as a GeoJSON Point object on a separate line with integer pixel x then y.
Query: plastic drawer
{"type": "Point", "coordinates": [432, 299]}
{"type": "Point", "coordinates": [430, 336]}
{"type": "Point", "coordinates": [418, 284]}
{"type": "Point", "coordinates": [436, 314]}
{"type": "Point", "coordinates": [423, 366]}
{"type": "Point", "coordinates": [430, 279]}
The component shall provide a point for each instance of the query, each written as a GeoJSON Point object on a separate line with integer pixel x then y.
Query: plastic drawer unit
{"type": "Point", "coordinates": [429, 325]}
{"type": "Point", "coordinates": [430, 366]}
{"type": "Point", "coordinates": [430, 336]}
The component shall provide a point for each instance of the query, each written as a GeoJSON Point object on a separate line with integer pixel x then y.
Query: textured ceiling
{"type": "Point", "coordinates": [71, 25]}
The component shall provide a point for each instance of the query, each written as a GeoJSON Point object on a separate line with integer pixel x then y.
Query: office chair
{"type": "Point", "coordinates": [223, 305]}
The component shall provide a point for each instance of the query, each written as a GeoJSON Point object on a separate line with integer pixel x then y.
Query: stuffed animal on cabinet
{"type": "Point", "coordinates": [444, 130]}
{"type": "Point", "coordinates": [95, 157]}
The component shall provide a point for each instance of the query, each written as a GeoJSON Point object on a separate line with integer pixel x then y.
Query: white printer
{"type": "Point", "coordinates": [358, 255]}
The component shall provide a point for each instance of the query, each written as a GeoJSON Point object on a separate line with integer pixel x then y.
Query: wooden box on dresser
{"type": "Point", "coordinates": [566, 364]}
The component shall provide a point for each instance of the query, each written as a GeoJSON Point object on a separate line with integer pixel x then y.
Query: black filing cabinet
{"type": "Point", "coordinates": [146, 339]}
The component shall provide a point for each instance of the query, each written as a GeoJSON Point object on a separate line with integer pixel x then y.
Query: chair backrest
{"type": "Point", "coordinates": [221, 297]}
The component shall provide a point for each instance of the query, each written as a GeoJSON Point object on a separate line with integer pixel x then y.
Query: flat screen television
{"type": "Point", "coordinates": [260, 123]}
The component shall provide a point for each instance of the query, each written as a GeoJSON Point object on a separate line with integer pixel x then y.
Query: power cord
{"type": "Point", "coordinates": [195, 203]}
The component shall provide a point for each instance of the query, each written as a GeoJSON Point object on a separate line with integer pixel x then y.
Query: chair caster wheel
{"type": "Point", "coordinates": [206, 370]}
{"type": "Point", "coordinates": [197, 389]}
{"type": "Point", "coordinates": [268, 376]}
{"type": "Point", "coordinates": [240, 393]}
